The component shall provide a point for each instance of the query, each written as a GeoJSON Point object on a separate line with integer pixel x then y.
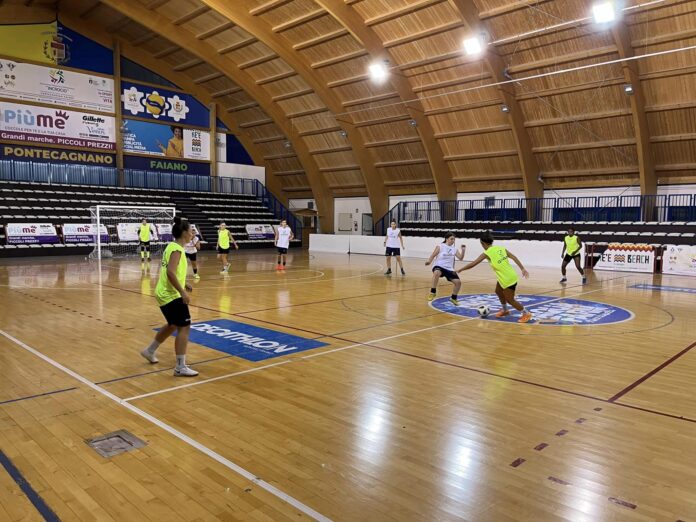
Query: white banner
{"type": "Point", "coordinates": [627, 258]}
{"type": "Point", "coordinates": [196, 144]}
{"type": "Point", "coordinates": [221, 146]}
{"type": "Point", "coordinates": [56, 127]}
{"type": "Point", "coordinates": [31, 233]}
{"type": "Point", "coordinates": [679, 260]}
{"type": "Point", "coordinates": [260, 231]}
{"type": "Point", "coordinates": [54, 86]}
{"type": "Point", "coordinates": [164, 231]}
{"type": "Point", "coordinates": [129, 232]}
{"type": "Point", "coordinates": [83, 233]}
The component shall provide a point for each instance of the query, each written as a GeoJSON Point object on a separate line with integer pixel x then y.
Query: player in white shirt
{"type": "Point", "coordinates": [394, 243]}
{"type": "Point", "coordinates": [444, 256]}
{"type": "Point", "coordinates": [283, 236]}
{"type": "Point", "coordinates": [191, 250]}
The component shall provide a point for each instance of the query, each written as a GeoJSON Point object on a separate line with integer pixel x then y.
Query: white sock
{"type": "Point", "coordinates": [180, 361]}
{"type": "Point", "coordinates": [505, 307]}
{"type": "Point", "coordinates": [153, 347]}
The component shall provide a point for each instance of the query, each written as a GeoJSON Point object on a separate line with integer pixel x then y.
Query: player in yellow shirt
{"type": "Point", "coordinates": [173, 298]}
{"type": "Point", "coordinates": [223, 246]}
{"type": "Point", "coordinates": [498, 257]}
{"type": "Point", "coordinates": [571, 252]}
{"type": "Point", "coordinates": [145, 231]}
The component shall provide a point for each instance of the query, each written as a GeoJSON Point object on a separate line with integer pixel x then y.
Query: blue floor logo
{"type": "Point", "coordinates": [547, 310]}
{"type": "Point", "coordinates": [248, 342]}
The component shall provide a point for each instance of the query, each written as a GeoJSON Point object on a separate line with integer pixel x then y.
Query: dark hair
{"type": "Point", "coordinates": [174, 127]}
{"type": "Point", "coordinates": [283, 220]}
{"type": "Point", "coordinates": [392, 221]}
{"type": "Point", "coordinates": [179, 227]}
{"type": "Point", "coordinates": [449, 235]}
{"type": "Point", "coordinates": [487, 238]}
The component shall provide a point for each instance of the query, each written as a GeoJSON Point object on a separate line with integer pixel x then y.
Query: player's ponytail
{"type": "Point", "coordinates": [487, 238]}
{"type": "Point", "coordinates": [179, 227]}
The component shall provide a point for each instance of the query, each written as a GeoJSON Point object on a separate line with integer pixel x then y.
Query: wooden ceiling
{"type": "Point", "coordinates": [291, 77]}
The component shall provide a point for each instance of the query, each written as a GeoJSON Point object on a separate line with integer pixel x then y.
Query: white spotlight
{"type": "Point", "coordinates": [604, 12]}
{"type": "Point", "coordinates": [378, 72]}
{"type": "Point", "coordinates": [628, 89]}
{"type": "Point", "coordinates": [505, 108]}
{"type": "Point", "coordinates": [473, 46]}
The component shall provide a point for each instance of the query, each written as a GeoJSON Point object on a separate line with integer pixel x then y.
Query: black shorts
{"type": "Point", "coordinates": [223, 250]}
{"type": "Point", "coordinates": [393, 251]}
{"type": "Point", "coordinates": [176, 313]}
{"type": "Point", "coordinates": [145, 244]}
{"type": "Point", "coordinates": [282, 250]}
{"type": "Point", "coordinates": [192, 257]}
{"type": "Point", "coordinates": [568, 258]}
{"type": "Point", "coordinates": [447, 274]}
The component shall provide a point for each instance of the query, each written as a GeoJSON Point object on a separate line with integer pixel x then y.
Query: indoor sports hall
{"type": "Point", "coordinates": [384, 260]}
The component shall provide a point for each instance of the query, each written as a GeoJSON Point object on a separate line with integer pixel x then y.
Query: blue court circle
{"type": "Point", "coordinates": [548, 311]}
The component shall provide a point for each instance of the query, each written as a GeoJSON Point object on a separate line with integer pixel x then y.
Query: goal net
{"type": "Point", "coordinates": [116, 229]}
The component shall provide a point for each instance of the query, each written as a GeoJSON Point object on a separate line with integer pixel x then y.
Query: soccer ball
{"type": "Point", "coordinates": [483, 310]}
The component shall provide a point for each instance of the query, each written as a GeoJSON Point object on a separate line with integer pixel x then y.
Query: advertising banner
{"type": "Point", "coordinates": [164, 231]}
{"type": "Point", "coordinates": [260, 232]}
{"type": "Point", "coordinates": [54, 86]}
{"type": "Point", "coordinates": [166, 165]}
{"type": "Point", "coordinates": [129, 232]}
{"type": "Point", "coordinates": [172, 141]}
{"type": "Point", "coordinates": [162, 104]}
{"type": "Point", "coordinates": [52, 155]}
{"type": "Point", "coordinates": [31, 233]}
{"type": "Point", "coordinates": [56, 127]}
{"type": "Point", "coordinates": [83, 233]}
{"type": "Point", "coordinates": [679, 260]}
{"type": "Point", "coordinates": [624, 257]}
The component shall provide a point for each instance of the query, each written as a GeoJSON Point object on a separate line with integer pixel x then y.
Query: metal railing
{"type": "Point", "coordinates": [664, 207]}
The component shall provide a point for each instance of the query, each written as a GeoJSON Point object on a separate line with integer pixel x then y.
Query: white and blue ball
{"type": "Point", "coordinates": [483, 310]}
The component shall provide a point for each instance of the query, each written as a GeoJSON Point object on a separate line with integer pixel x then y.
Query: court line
{"type": "Point", "coordinates": [652, 372]}
{"type": "Point", "coordinates": [356, 344]}
{"type": "Point", "coordinates": [38, 395]}
{"type": "Point", "coordinates": [176, 433]}
{"type": "Point", "coordinates": [39, 503]}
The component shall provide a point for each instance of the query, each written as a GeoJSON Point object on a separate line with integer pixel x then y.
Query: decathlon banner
{"type": "Point", "coordinates": [56, 127]}
{"type": "Point", "coordinates": [260, 232]}
{"type": "Point", "coordinates": [53, 155]}
{"type": "Point", "coordinates": [31, 233]}
{"type": "Point", "coordinates": [627, 258]}
{"type": "Point", "coordinates": [172, 141]}
{"type": "Point", "coordinates": [129, 232]}
{"type": "Point", "coordinates": [83, 233]}
{"type": "Point", "coordinates": [679, 260]}
{"type": "Point", "coordinates": [54, 86]}
{"type": "Point", "coordinates": [162, 104]}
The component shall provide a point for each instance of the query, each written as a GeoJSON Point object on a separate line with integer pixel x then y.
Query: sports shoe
{"type": "Point", "coordinates": [223, 271]}
{"type": "Point", "coordinates": [431, 296]}
{"type": "Point", "coordinates": [454, 301]}
{"type": "Point", "coordinates": [185, 371]}
{"type": "Point", "coordinates": [563, 280]}
{"type": "Point", "coordinates": [584, 280]}
{"type": "Point", "coordinates": [282, 267]}
{"type": "Point", "coordinates": [388, 272]}
{"type": "Point", "coordinates": [151, 357]}
{"type": "Point", "coordinates": [196, 276]}
{"type": "Point", "coordinates": [526, 317]}
{"type": "Point", "coordinates": [278, 267]}
{"type": "Point", "coordinates": [502, 313]}
{"type": "Point", "coordinates": [402, 272]}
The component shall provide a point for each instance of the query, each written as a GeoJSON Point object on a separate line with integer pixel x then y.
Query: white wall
{"type": "Point", "coordinates": [354, 206]}
{"type": "Point", "coordinates": [235, 170]}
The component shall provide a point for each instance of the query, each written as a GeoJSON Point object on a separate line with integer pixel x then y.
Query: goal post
{"type": "Point", "coordinates": [115, 229]}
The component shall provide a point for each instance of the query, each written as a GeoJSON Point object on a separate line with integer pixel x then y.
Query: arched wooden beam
{"type": "Point", "coordinates": [533, 187]}
{"type": "Point", "coordinates": [646, 163]}
{"type": "Point", "coordinates": [353, 22]}
{"type": "Point", "coordinates": [241, 17]}
{"type": "Point", "coordinates": [155, 22]}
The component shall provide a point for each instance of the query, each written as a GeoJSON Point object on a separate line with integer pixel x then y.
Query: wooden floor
{"type": "Point", "coordinates": [408, 413]}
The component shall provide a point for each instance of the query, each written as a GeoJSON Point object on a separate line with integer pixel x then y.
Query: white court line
{"type": "Point", "coordinates": [178, 434]}
{"type": "Point", "coordinates": [220, 377]}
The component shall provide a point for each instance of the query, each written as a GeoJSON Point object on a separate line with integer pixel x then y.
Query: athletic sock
{"type": "Point", "coordinates": [432, 290]}
{"type": "Point", "coordinates": [195, 270]}
{"type": "Point", "coordinates": [180, 361]}
{"type": "Point", "coordinates": [283, 263]}
{"type": "Point", "coordinates": [454, 296]}
{"type": "Point", "coordinates": [153, 347]}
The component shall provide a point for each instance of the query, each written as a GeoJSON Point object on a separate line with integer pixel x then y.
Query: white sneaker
{"type": "Point", "coordinates": [185, 371]}
{"type": "Point", "coordinates": [151, 357]}
{"type": "Point", "coordinates": [196, 276]}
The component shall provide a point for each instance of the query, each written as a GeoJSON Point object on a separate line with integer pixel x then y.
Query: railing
{"type": "Point", "coordinates": [35, 172]}
{"type": "Point", "coordinates": [664, 207]}
{"type": "Point", "coordinates": [279, 210]}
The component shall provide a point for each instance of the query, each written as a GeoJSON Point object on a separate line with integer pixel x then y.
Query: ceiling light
{"type": "Point", "coordinates": [344, 133]}
{"type": "Point", "coordinates": [504, 108]}
{"type": "Point", "coordinates": [473, 46]}
{"type": "Point", "coordinates": [378, 72]}
{"type": "Point", "coordinates": [287, 144]}
{"type": "Point", "coordinates": [628, 89]}
{"type": "Point", "coordinates": [603, 12]}
{"type": "Point", "coordinates": [413, 123]}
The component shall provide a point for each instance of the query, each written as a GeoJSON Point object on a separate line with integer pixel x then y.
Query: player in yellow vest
{"type": "Point", "coordinates": [144, 235]}
{"type": "Point", "coordinates": [571, 252]}
{"type": "Point", "coordinates": [223, 246]}
{"type": "Point", "coordinates": [498, 257]}
{"type": "Point", "coordinates": [173, 298]}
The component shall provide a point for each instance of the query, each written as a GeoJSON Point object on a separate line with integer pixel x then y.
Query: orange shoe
{"type": "Point", "coordinates": [525, 318]}
{"type": "Point", "coordinates": [282, 267]}
{"type": "Point", "coordinates": [278, 267]}
{"type": "Point", "coordinates": [502, 313]}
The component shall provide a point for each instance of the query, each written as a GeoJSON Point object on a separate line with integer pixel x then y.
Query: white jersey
{"type": "Point", "coordinates": [393, 238]}
{"type": "Point", "coordinates": [284, 237]}
{"type": "Point", "coordinates": [445, 259]}
{"type": "Point", "coordinates": [190, 247]}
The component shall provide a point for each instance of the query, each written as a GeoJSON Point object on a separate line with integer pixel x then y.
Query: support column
{"type": "Point", "coordinates": [118, 114]}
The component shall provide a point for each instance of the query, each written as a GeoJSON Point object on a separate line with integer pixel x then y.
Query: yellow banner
{"type": "Point", "coordinates": [35, 42]}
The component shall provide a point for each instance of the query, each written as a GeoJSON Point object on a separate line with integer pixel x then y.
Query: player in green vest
{"type": "Point", "coordinates": [571, 252]}
{"type": "Point", "coordinates": [173, 299]}
{"type": "Point", "coordinates": [144, 234]}
{"type": "Point", "coordinates": [498, 257]}
{"type": "Point", "coordinates": [223, 246]}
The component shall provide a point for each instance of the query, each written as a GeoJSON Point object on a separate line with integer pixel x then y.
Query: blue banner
{"type": "Point", "coordinates": [84, 53]}
{"type": "Point", "coordinates": [53, 155]}
{"type": "Point", "coordinates": [141, 137]}
{"type": "Point", "coordinates": [236, 153]}
{"type": "Point", "coordinates": [161, 104]}
{"type": "Point", "coordinates": [163, 164]}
